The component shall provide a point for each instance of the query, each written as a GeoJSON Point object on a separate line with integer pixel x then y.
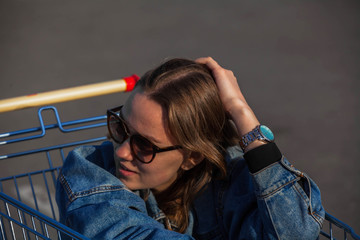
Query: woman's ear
{"type": "Point", "coordinates": [194, 159]}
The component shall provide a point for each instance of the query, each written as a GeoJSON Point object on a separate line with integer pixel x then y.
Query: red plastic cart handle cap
{"type": "Point", "coordinates": [131, 81]}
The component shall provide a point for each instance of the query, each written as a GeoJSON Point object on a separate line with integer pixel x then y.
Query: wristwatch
{"type": "Point", "coordinates": [260, 132]}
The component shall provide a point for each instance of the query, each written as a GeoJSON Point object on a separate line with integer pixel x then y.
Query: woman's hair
{"type": "Point", "coordinates": [196, 118]}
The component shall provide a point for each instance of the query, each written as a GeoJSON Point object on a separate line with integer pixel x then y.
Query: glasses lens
{"type": "Point", "coordinates": [142, 148]}
{"type": "Point", "coordinates": [116, 128]}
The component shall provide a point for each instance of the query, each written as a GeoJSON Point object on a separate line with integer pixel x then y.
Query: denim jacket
{"type": "Point", "coordinates": [270, 204]}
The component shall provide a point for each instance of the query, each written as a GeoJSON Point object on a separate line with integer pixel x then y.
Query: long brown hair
{"type": "Point", "coordinates": [197, 120]}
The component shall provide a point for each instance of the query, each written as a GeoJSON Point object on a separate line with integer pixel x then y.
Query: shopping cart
{"type": "Point", "coordinates": [27, 204]}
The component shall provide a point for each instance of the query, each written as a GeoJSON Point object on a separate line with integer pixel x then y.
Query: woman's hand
{"type": "Point", "coordinates": [232, 99]}
{"type": "Point", "coordinates": [229, 90]}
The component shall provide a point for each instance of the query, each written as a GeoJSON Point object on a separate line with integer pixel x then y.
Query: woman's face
{"type": "Point", "coordinates": [145, 117]}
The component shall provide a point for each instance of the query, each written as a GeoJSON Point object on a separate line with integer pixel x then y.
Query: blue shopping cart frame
{"type": "Point", "coordinates": [24, 196]}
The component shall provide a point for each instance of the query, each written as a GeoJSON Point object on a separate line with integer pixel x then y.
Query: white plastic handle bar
{"type": "Point", "coordinates": [68, 94]}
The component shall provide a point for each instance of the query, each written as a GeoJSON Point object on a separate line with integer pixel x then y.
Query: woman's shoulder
{"type": "Point", "coordinates": [101, 155]}
{"type": "Point", "coordinates": [86, 171]}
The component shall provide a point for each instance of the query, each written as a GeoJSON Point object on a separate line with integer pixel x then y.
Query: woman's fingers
{"type": "Point", "coordinates": [232, 98]}
{"type": "Point", "coordinates": [209, 61]}
{"type": "Point", "coordinates": [226, 82]}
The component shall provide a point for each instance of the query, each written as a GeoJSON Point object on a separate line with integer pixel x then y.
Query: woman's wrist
{"type": "Point", "coordinates": [245, 121]}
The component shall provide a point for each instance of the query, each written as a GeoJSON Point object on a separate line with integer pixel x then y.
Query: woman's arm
{"type": "Point", "coordinates": [233, 100]}
{"type": "Point", "coordinates": [288, 202]}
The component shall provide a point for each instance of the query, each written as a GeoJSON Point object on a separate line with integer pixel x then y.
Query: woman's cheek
{"type": "Point", "coordinates": [159, 178]}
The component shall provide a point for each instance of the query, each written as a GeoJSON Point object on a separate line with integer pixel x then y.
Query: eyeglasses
{"type": "Point", "coordinates": [142, 149]}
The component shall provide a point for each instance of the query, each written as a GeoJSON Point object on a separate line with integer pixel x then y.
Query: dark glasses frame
{"type": "Point", "coordinates": [116, 112]}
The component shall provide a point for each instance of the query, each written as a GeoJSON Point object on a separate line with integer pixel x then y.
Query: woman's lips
{"type": "Point", "coordinates": [125, 171]}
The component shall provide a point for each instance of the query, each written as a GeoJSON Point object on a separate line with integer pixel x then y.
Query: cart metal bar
{"type": "Point", "coordinates": [48, 194]}
{"type": "Point", "coordinates": [68, 94]}
{"type": "Point", "coordinates": [342, 225]}
{"type": "Point", "coordinates": [34, 215]}
{"type": "Point", "coordinates": [31, 173]}
{"type": "Point", "coordinates": [52, 148]}
{"type": "Point", "coordinates": [50, 126]}
{"type": "Point", "coordinates": [59, 124]}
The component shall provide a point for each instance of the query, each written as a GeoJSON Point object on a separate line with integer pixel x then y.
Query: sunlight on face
{"type": "Point", "coordinates": [145, 117]}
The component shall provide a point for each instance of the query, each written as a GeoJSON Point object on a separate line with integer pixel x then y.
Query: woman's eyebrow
{"type": "Point", "coordinates": [131, 129]}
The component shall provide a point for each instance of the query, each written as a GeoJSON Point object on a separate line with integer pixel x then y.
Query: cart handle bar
{"type": "Point", "coordinates": [68, 94]}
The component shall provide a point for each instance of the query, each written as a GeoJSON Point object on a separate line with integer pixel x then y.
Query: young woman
{"type": "Point", "coordinates": [188, 160]}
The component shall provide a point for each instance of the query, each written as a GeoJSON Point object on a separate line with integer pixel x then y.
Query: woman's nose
{"type": "Point", "coordinates": [123, 151]}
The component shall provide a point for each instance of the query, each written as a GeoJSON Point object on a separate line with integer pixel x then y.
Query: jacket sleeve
{"type": "Point", "coordinates": [97, 205]}
{"type": "Point", "coordinates": [286, 204]}
{"type": "Point", "coordinates": [107, 216]}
